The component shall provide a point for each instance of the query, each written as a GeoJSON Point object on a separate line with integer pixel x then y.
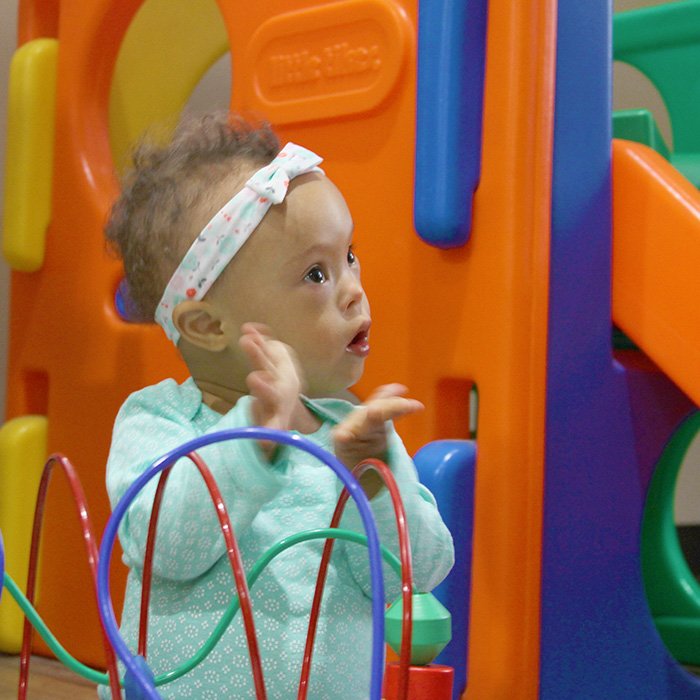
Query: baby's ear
{"type": "Point", "coordinates": [198, 324]}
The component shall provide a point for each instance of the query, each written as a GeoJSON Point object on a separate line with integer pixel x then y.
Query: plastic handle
{"type": "Point", "coordinates": [450, 95]}
{"type": "Point", "coordinates": [23, 453]}
{"type": "Point", "coordinates": [448, 469]}
{"type": "Point", "coordinates": [29, 159]}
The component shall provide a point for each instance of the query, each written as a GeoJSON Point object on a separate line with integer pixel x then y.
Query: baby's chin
{"type": "Point", "coordinates": [333, 390]}
{"type": "Point", "coordinates": [335, 384]}
{"type": "Point", "coordinates": [345, 395]}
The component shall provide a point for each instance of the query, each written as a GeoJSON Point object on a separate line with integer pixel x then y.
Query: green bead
{"type": "Point", "coordinates": [432, 627]}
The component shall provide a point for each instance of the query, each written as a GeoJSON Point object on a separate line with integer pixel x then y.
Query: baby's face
{"type": "Point", "coordinates": [299, 275]}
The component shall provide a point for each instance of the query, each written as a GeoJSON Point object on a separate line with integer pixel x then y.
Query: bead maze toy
{"type": "Point", "coordinates": [418, 626]}
{"type": "Point", "coordinates": [567, 233]}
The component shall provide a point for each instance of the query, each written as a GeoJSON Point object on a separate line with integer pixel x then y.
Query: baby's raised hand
{"type": "Point", "coordinates": [363, 434]}
{"type": "Point", "coordinates": [275, 379]}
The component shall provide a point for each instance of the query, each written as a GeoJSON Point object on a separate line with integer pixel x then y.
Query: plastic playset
{"type": "Point", "coordinates": [504, 236]}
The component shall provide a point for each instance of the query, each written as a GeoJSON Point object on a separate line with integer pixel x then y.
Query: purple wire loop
{"type": "Point", "coordinates": [294, 440]}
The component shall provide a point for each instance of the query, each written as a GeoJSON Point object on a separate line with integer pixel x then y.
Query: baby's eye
{"type": "Point", "coordinates": [316, 275]}
{"type": "Point", "coordinates": [352, 258]}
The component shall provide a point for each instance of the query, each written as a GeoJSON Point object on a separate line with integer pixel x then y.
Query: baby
{"type": "Point", "coordinates": [243, 252]}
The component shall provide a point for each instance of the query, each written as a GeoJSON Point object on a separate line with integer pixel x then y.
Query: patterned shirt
{"type": "Point", "coordinates": [267, 501]}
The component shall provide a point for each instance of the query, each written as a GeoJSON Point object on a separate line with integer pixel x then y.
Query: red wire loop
{"type": "Point", "coordinates": [147, 578]}
{"type": "Point", "coordinates": [406, 579]}
{"type": "Point", "coordinates": [236, 565]}
{"type": "Point", "coordinates": [92, 553]}
{"type": "Point", "coordinates": [234, 558]}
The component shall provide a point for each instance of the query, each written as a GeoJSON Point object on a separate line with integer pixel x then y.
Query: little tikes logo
{"type": "Point", "coordinates": [335, 61]}
{"type": "Point", "coordinates": [330, 60]}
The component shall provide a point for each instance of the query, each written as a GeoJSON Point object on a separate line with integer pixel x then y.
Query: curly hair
{"type": "Point", "coordinates": [169, 194]}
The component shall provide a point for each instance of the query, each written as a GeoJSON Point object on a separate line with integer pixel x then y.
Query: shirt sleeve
{"type": "Point", "coordinates": [189, 539]}
{"type": "Point", "coordinates": [432, 549]}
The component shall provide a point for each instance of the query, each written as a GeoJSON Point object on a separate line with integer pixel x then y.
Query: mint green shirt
{"type": "Point", "coordinates": [266, 501]}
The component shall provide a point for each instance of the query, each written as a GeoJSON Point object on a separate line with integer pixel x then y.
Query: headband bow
{"type": "Point", "coordinates": [226, 233]}
{"type": "Point", "coordinates": [272, 181]}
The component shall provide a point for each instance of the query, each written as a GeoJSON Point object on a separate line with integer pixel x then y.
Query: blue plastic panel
{"type": "Point", "coordinates": [597, 636]}
{"type": "Point", "coordinates": [450, 96]}
{"type": "Point", "coordinates": [447, 468]}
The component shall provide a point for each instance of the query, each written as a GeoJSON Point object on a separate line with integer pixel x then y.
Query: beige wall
{"type": "Point", "coordinates": [630, 89]}
{"type": "Point", "coordinates": [8, 30]}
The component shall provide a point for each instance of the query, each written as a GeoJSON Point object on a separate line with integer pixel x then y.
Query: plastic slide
{"type": "Point", "coordinates": [656, 261]}
{"type": "Point", "coordinates": [656, 267]}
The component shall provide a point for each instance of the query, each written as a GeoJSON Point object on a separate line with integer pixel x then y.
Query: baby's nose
{"type": "Point", "coordinates": [353, 293]}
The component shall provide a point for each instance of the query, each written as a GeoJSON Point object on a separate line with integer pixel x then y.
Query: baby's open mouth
{"type": "Point", "coordinates": [359, 345]}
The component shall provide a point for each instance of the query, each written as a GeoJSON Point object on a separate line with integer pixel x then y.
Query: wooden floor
{"type": "Point", "coordinates": [48, 680]}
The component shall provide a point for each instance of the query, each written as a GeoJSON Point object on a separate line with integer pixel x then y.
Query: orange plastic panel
{"type": "Point", "coordinates": [70, 358]}
{"type": "Point", "coordinates": [37, 19]}
{"type": "Point", "coordinates": [496, 333]}
{"type": "Point", "coordinates": [327, 61]}
{"type": "Point", "coordinates": [656, 259]}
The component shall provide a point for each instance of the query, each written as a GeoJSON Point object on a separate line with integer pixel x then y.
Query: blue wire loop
{"type": "Point", "coordinates": [132, 664]}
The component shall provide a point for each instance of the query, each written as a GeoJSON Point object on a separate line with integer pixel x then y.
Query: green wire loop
{"type": "Point", "coordinates": [55, 646]}
{"type": "Point", "coordinates": [102, 679]}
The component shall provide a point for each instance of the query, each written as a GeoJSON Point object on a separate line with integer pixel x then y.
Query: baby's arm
{"type": "Point", "coordinates": [364, 433]}
{"type": "Point", "coordinates": [274, 383]}
{"type": "Point", "coordinates": [189, 541]}
{"type": "Point", "coordinates": [431, 543]}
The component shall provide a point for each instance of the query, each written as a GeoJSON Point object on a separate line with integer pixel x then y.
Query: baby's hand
{"type": "Point", "coordinates": [363, 434]}
{"type": "Point", "coordinates": [274, 383]}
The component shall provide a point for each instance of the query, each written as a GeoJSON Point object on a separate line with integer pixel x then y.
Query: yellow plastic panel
{"type": "Point", "coordinates": [23, 453]}
{"type": "Point", "coordinates": [169, 46]}
{"type": "Point", "coordinates": [29, 159]}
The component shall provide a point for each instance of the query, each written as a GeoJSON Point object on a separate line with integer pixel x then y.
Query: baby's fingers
{"type": "Point", "coordinates": [260, 329]}
{"type": "Point", "coordinates": [383, 410]}
{"type": "Point", "coordinates": [387, 391]}
{"type": "Point", "coordinates": [369, 418]}
{"type": "Point", "coordinates": [261, 348]}
{"type": "Point", "coordinates": [255, 344]}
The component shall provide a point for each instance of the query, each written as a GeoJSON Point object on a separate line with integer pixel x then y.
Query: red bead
{"type": "Point", "coordinates": [432, 682]}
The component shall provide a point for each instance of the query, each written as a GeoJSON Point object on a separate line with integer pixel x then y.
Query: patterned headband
{"type": "Point", "coordinates": [224, 235]}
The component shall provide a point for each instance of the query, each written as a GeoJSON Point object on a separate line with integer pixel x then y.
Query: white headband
{"type": "Point", "coordinates": [224, 235]}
